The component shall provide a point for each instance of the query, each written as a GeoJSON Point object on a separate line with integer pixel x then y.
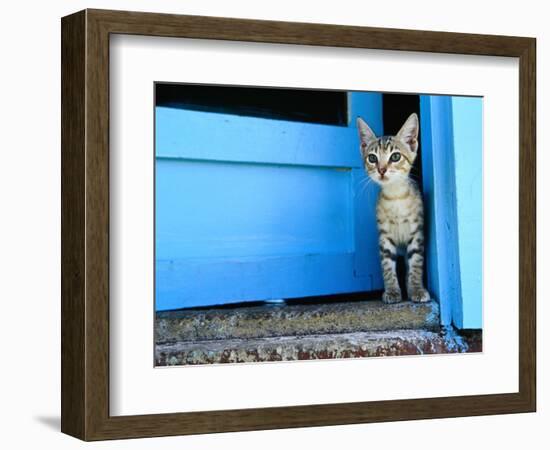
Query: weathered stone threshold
{"type": "Point", "coordinates": [304, 332]}
{"type": "Point", "coordinates": [294, 348]}
{"type": "Point", "coordinates": [293, 320]}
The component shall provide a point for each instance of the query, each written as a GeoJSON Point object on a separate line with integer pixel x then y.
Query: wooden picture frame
{"type": "Point", "coordinates": [85, 224]}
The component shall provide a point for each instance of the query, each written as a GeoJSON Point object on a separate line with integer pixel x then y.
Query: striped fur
{"type": "Point", "coordinates": [399, 211]}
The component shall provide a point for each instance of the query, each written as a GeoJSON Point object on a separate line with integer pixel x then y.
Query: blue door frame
{"type": "Point", "coordinates": [452, 157]}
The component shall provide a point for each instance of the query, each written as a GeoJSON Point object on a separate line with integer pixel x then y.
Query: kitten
{"type": "Point", "coordinates": [399, 211]}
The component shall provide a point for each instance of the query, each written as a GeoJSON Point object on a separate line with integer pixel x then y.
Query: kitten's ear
{"type": "Point", "coordinates": [366, 135]}
{"type": "Point", "coordinates": [409, 132]}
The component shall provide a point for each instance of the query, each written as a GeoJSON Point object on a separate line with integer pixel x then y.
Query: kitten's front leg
{"type": "Point", "coordinates": [388, 256]}
{"type": "Point", "coordinates": [415, 259]}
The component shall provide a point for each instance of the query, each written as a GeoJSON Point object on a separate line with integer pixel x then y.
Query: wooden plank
{"type": "Point", "coordinates": [442, 256]}
{"type": "Point", "coordinates": [468, 164]}
{"type": "Point", "coordinates": [213, 281]}
{"type": "Point", "coordinates": [528, 226]}
{"type": "Point", "coordinates": [268, 31]}
{"type": "Point", "coordinates": [452, 165]}
{"type": "Point", "coordinates": [73, 270]}
{"type": "Point", "coordinates": [195, 135]}
{"type": "Point", "coordinates": [367, 105]}
{"type": "Point", "coordinates": [96, 308]}
{"type": "Point", "coordinates": [206, 209]}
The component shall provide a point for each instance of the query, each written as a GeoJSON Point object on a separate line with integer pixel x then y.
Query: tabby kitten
{"type": "Point", "coordinates": [399, 210]}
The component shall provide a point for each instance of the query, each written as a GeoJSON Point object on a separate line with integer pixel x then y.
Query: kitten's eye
{"type": "Point", "coordinates": [372, 158]}
{"type": "Point", "coordinates": [395, 157]}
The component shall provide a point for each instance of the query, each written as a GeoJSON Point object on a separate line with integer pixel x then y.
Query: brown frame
{"type": "Point", "coordinates": [85, 224]}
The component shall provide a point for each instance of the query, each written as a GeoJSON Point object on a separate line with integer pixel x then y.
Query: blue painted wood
{"type": "Point", "coordinates": [368, 106]}
{"type": "Point", "coordinates": [216, 209]}
{"type": "Point", "coordinates": [260, 209]}
{"type": "Point", "coordinates": [226, 280]}
{"type": "Point", "coordinates": [468, 151]}
{"type": "Point", "coordinates": [442, 260]}
{"type": "Point", "coordinates": [451, 130]}
{"type": "Point", "coordinates": [210, 136]}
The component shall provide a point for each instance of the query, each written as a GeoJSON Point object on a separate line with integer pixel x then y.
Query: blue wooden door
{"type": "Point", "coordinates": [252, 209]}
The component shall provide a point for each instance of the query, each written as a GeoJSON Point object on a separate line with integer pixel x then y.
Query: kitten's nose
{"type": "Point", "coordinates": [382, 170]}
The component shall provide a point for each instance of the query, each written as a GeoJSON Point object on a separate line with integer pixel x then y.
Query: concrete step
{"type": "Point", "coordinates": [293, 320]}
{"type": "Point", "coordinates": [326, 346]}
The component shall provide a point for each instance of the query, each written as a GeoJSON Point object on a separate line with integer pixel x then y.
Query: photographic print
{"type": "Point", "coordinates": [301, 224]}
{"type": "Point", "coordinates": [315, 224]}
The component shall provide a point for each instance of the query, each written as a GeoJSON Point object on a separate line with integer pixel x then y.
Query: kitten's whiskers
{"type": "Point", "coordinates": [363, 185]}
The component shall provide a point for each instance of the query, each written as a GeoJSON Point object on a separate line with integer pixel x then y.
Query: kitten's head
{"type": "Point", "coordinates": [389, 159]}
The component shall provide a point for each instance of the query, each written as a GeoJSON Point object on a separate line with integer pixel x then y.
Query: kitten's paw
{"type": "Point", "coordinates": [391, 296]}
{"type": "Point", "coordinates": [419, 295]}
